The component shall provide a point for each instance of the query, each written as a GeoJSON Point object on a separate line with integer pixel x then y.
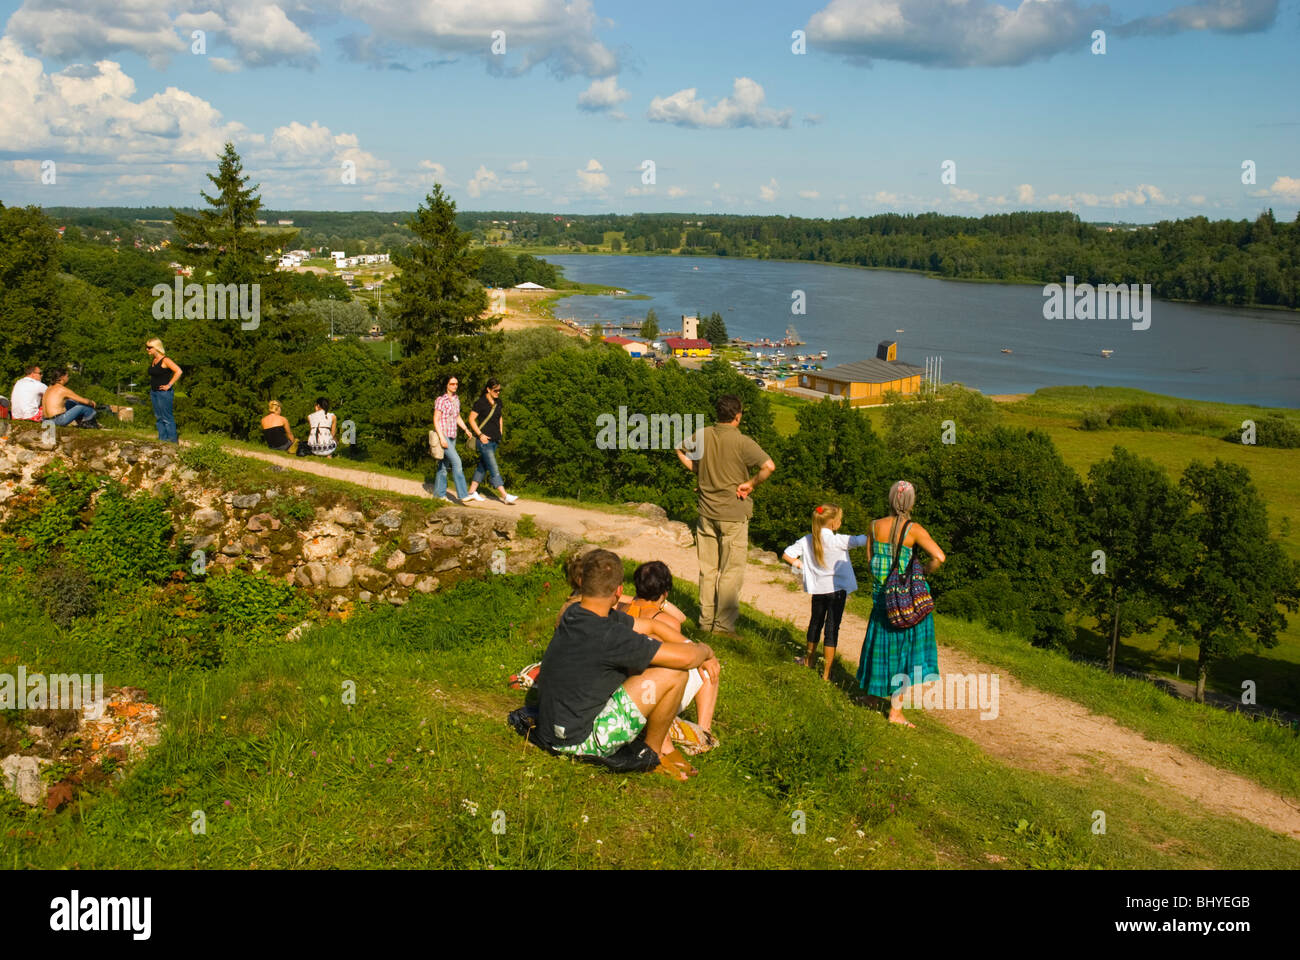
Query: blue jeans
{"type": "Point", "coordinates": [450, 456]}
{"type": "Point", "coordinates": [73, 411]}
{"type": "Point", "coordinates": [161, 400]}
{"type": "Point", "coordinates": [487, 458]}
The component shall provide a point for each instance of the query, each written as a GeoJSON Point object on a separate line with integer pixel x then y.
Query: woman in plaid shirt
{"type": "Point", "coordinates": [446, 420]}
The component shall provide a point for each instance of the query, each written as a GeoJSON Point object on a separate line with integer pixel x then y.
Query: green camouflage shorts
{"type": "Point", "coordinates": [618, 723]}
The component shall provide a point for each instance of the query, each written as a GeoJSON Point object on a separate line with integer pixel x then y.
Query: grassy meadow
{"type": "Point", "coordinates": [421, 771]}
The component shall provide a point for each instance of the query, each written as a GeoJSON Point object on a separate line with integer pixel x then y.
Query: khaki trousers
{"type": "Point", "coordinates": [723, 549]}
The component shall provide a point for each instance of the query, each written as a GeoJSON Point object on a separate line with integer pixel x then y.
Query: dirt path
{"type": "Point", "coordinates": [1033, 729]}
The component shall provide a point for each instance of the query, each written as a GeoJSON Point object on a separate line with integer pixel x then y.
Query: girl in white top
{"type": "Point", "coordinates": [823, 558]}
{"type": "Point", "coordinates": [322, 437]}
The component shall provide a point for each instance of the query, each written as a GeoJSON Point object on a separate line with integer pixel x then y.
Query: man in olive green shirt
{"type": "Point", "coordinates": [723, 459]}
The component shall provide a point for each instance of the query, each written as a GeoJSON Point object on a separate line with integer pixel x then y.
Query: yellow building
{"type": "Point", "coordinates": [865, 382]}
{"type": "Point", "coordinates": [684, 347]}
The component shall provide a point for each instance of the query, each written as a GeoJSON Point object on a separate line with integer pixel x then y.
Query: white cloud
{"type": "Point", "coordinates": [483, 179]}
{"type": "Point", "coordinates": [1025, 193]}
{"type": "Point", "coordinates": [593, 179]}
{"type": "Point", "coordinates": [222, 65]}
{"type": "Point", "coordinates": [675, 192]}
{"type": "Point", "coordinates": [91, 111]}
{"type": "Point", "coordinates": [809, 194]}
{"type": "Point", "coordinates": [769, 192]}
{"type": "Point", "coordinates": [744, 108]}
{"type": "Point", "coordinates": [1144, 193]}
{"type": "Point", "coordinates": [438, 171]}
{"type": "Point", "coordinates": [561, 34]}
{"type": "Point", "coordinates": [1197, 198]}
{"type": "Point", "coordinates": [519, 166]}
{"type": "Point", "coordinates": [981, 33]}
{"type": "Point", "coordinates": [1285, 188]}
{"type": "Point", "coordinates": [963, 196]}
{"type": "Point", "coordinates": [1220, 16]}
{"type": "Point", "coordinates": [952, 33]}
{"type": "Point", "coordinates": [603, 96]}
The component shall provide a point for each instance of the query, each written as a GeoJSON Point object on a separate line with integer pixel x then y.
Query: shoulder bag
{"type": "Point", "coordinates": [907, 598]}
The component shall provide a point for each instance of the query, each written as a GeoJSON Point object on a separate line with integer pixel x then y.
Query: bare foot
{"type": "Point", "coordinates": [897, 717]}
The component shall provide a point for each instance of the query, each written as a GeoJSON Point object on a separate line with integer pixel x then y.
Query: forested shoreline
{"type": "Point", "coordinates": [1226, 262]}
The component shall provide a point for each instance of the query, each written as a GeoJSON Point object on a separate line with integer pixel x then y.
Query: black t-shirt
{"type": "Point", "coordinates": [489, 423]}
{"type": "Point", "coordinates": [588, 659]}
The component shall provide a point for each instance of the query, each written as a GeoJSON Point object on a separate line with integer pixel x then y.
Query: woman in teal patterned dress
{"type": "Point", "coordinates": [888, 652]}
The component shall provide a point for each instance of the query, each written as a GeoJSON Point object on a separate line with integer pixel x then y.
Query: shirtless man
{"type": "Point", "coordinates": [63, 406]}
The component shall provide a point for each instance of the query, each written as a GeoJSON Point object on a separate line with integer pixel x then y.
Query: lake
{"type": "Point", "coordinates": [1226, 354]}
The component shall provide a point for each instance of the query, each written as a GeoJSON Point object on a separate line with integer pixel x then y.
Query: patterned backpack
{"type": "Point", "coordinates": [907, 599]}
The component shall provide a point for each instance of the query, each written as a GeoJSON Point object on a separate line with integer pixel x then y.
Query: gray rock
{"type": "Point", "coordinates": [205, 541]}
{"type": "Point", "coordinates": [395, 560]}
{"type": "Point", "coordinates": [317, 573]}
{"type": "Point", "coordinates": [339, 575]}
{"type": "Point", "coordinates": [22, 777]}
{"type": "Point", "coordinates": [405, 579]}
{"type": "Point", "coordinates": [246, 501]}
{"type": "Point", "coordinates": [396, 599]}
{"type": "Point", "coordinates": [130, 454]}
{"type": "Point", "coordinates": [389, 519]}
{"type": "Point", "coordinates": [559, 542]}
{"type": "Point", "coordinates": [325, 548]}
{"type": "Point", "coordinates": [417, 543]}
{"type": "Point", "coordinates": [209, 517]}
{"type": "Point", "coordinates": [447, 563]}
{"type": "Point", "coordinates": [678, 532]}
{"type": "Point", "coordinates": [189, 476]}
{"type": "Point", "coordinates": [231, 549]}
{"type": "Point", "coordinates": [364, 596]}
{"type": "Point", "coordinates": [454, 528]}
{"type": "Point", "coordinates": [349, 518]}
{"type": "Point", "coordinates": [302, 578]}
{"type": "Point", "coordinates": [260, 522]}
{"type": "Point", "coordinates": [372, 579]}
{"type": "Point", "coordinates": [651, 510]}
{"type": "Point", "coordinates": [426, 584]}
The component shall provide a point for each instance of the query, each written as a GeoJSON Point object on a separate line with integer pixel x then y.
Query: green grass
{"type": "Point", "coordinates": [1266, 752]}
{"type": "Point", "coordinates": [384, 348]}
{"type": "Point", "coordinates": [411, 775]}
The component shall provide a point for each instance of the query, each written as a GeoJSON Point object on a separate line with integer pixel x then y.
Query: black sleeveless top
{"type": "Point", "coordinates": [159, 376]}
{"type": "Point", "coordinates": [275, 437]}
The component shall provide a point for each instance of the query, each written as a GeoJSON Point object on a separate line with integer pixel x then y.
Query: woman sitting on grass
{"type": "Point", "coordinates": [653, 580]}
{"type": "Point", "coordinates": [275, 428]}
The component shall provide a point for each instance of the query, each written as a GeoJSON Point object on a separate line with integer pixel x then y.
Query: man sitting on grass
{"type": "Point", "coordinates": [602, 683]}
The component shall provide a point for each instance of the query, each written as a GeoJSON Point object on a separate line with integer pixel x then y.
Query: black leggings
{"type": "Point", "coordinates": [827, 608]}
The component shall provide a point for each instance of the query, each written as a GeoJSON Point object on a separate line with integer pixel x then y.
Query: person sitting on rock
{"type": "Point", "coordinates": [25, 397]}
{"type": "Point", "coordinates": [602, 683]}
{"type": "Point", "coordinates": [276, 431]}
{"type": "Point", "coordinates": [61, 406]}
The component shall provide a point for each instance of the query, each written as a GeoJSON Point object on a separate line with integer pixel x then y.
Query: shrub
{"type": "Point", "coordinates": [1094, 420]}
{"type": "Point", "coordinates": [66, 592]}
{"type": "Point", "coordinates": [1270, 432]}
{"type": "Point", "coordinates": [128, 539]}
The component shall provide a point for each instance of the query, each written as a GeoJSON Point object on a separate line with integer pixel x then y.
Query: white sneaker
{"type": "Point", "coordinates": [476, 497]}
{"type": "Point", "coordinates": [511, 498]}
{"type": "Point", "coordinates": [450, 499]}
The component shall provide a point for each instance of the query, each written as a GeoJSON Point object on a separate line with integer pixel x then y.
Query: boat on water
{"type": "Point", "coordinates": [822, 355]}
{"type": "Point", "coordinates": [1107, 353]}
{"type": "Point", "coordinates": [1006, 349]}
{"type": "Point", "coordinates": [899, 330]}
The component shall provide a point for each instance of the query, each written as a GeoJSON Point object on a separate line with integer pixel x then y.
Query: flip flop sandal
{"type": "Point", "coordinates": [669, 769]}
{"type": "Point", "coordinates": [678, 759]}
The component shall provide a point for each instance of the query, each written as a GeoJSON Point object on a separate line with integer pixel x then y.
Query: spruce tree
{"type": "Point", "coordinates": [438, 318]}
{"type": "Point", "coordinates": [231, 372]}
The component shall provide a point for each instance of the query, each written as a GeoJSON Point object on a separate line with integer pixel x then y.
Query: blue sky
{"type": "Point", "coordinates": [409, 91]}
